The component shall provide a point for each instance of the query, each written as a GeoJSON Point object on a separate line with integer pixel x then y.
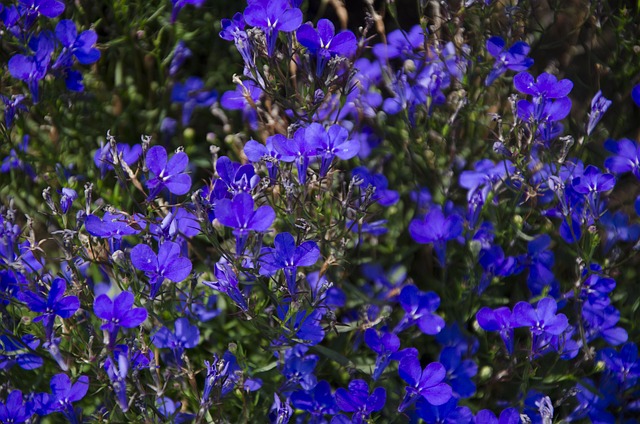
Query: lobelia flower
{"type": "Point", "coordinates": [300, 149]}
{"type": "Point", "coordinates": [288, 257]}
{"type": "Point", "coordinates": [280, 412]}
{"type": "Point", "coordinates": [385, 346]}
{"type": "Point", "coordinates": [419, 308]}
{"type": "Point", "coordinates": [541, 320]}
{"type": "Point", "coordinates": [15, 410]}
{"type": "Point", "coordinates": [12, 106]}
{"type": "Point", "coordinates": [298, 371]}
{"type": "Point", "coordinates": [234, 178]}
{"type": "Point", "coordinates": [302, 327]}
{"type": "Point", "coordinates": [400, 44]}
{"type": "Point", "coordinates": [245, 97]}
{"type": "Point", "coordinates": [73, 44]}
{"type": "Point", "coordinates": [507, 416]}
{"type": "Point", "coordinates": [170, 411]}
{"type": "Point", "coordinates": [514, 59]}
{"type": "Point", "coordinates": [626, 159]}
{"type": "Point", "coordinates": [426, 383]}
{"type": "Point", "coordinates": [18, 351]}
{"type": "Point", "coordinates": [180, 54]}
{"type": "Point", "coordinates": [118, 312]}
{"type": "Point", "coordinates": [334, 142]}
{"type": "Point", "coordinates": [599, 105]}
{"type": "Point", "coordinates": [635, 94]}
{"type": "Point", "coordinates": [272, 16]}
{"type": "Point", "coordinates": [623, 365]}
{"type": "Point", "coordinates": [233, 30]}
{"type": "Point", "coordinates": [435, 228]}
{"type": "Point", "coordinates": [459, 372]}
{"type": "Point", "coordinates": [192, 94]}
{"type": "Point", "coordinates": [375, 184]}
{"type": "Point", "coordinates": [500, 319]}
{"type": "Point", "coordinates": [104, 159]}
{"type": "Point", "coordinates": [31, 69]}
{"type": "Point", "coordinates": [67, 198]}
{"type": "Point", "coordinates": [601, 321]}
{"type": "Point", "coordinates": [239, 214]}
{"type": "Point", "coordinates": [317, 402]}
{"type": "Point", "coordinates": [546, 86]}
{"type": "Point", "coordinates": [112, 226]}
{"type": "Point", "coordinates": [257, 152]}
{"type": "Point", "coordinates": [167, 264]}
{"type": "Point", "coordinates": [32, 8]}
{"type": "Point", "coordinates": [227, 283]}
{"type": "Point", "coordinates": [64, 394]}
{"type": "Point", "coordinates": [356, 399]}
{"type": "Point", "coordinates": [447, 413]}
{"type": "Point", "coordinates": [185, 336]}
{"type": "Point", "coordinates": [167, 174]}
{"type": "Point", "coordinates": [324, 43]}
{"type": "Point", "coordinates": [55, 304]}
{"type": "Point", "coordinates": [591, 183]}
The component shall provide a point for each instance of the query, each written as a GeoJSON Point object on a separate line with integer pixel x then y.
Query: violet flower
{"type": "Point", "coordinates": [426, 383]}
{"type": "Point", "coordinates": [73, 44]}
{"type": "Point", "coordinates": [419, 308]}
{"type": "Point", "coordinates": [301, 148]}
{"type": "Point", "coordinates": [273, 16]}
{"type": "Point", "coordinates": [64, 394]}
{"type": "Point", "coordinates": [31, 69]}
{"type": "Point", "coordinates": [117, 313]}
{"type": "Point", "coordinates": [500, 319]}
{"type": "Point", "coordinates": [185, 336]}
{"type": "Point", "coordinates": [15, 410]}
{"type": "Point", "coordinates": [167, 264]}
{"type": "Point", "coordinates": [356, 399]}
{"type": "Point", "coordinates": [626, 157]}
{"type": "Point", "coordinates": [435, 228]}
{"type": "Point", "coordinates": [324, 43]}
{"type": "Point", "coordinates": [54, 304]}
{"type": "Point", "coordinates": [542, 319]}
{"type": "Point", "coordinates": [167, 174]}
{"type": "Point", "coordinates": [514, 59]}
{"type": "Point", "coordinates": [288, 257]}
{"type": "Point", "coordinates": [267, 152]}
{"type": "Point", "coordinates": [192, 94]}
{"type": "Point", "coordinates": [240, 215]}
{"type": "Point", "coordinates": [599, 105]}
{"type": "Point", "coordinates": [227, 283]}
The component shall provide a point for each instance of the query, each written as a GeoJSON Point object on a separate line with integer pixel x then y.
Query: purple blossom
{"type": "Point", "coordinates": [500, 319]}
{"type": "Point", "coordinates": [18, 351]}
{"type": "Point", "coordinates": [599, 105]}
{"type": "Point", "coordinates": [426, 383]}
{"type": "Point", "coordinates": [635, 94]}
{"type": "Point", "coordinates": [63, 394]}
{"type": "Point", "coordinates": [167, 264]}
{"type": "Point", "coordinates": [112, 226]}
{"type": "Point", "coordinates": [435, 228]}
{"type": "Point", "coordinates": [117, 313]}
{"type": "Point", "coordinates": [386, 347]}
{"type": "Point", "coordinates": [192, 94]}
{"type": "Point", "coordinates": [233, 30]}
{"type": "Point", "coordinates": [12, 106]}
{"type": "Point", "coordinates": [180, 54]}
{"type": "Point", "coordinates": [318, 401]}
{"type": "Point", "coordinates": [54, 304]}
{"type": "Point", "coordinates": [334, 142]}
{"type": "Point", "coordinates": [288, 257]}
{"type": "Point", "coordinates": [507, 416]}
{"type": "Point", "coordinates": [542, 319]}
{"type": "Point", "coordinates": [400, 44]}
{"type": "Point", "coordinates": [73, 44]}
{"type": "Point", "coordinates": [546, 86]}
{"type": "Point", "coordinates": [447, 413]}
{"type": "Point", "coordinates": [47, 8]}
{"type": "Point", "coordinates": [15, 410]}
{"type": "Point", "coordinates": [234, 177]}
{"type": "Point", "coordinates": [356, 399]}
{"type": "Point", "coordinates": [626, 157]}
{"type": "Point", "coordinates": [273, 16]}
{"type": "Point", "coordinates": [31, 69]}
{"type": "Point", "coordinates": [419, 308]}
{"type": "Point", "coordinates": [460, 372]}
{"type": "Point", "coordinates": [227, 282]}
{"type": "Point", "coordinates": [184, 336]}
{"type": "Point", "coordinates": [280, 412]}
{"type": "Point", "coordinates": [324, 43]}
{"type": "Point", "coordinates": [105, 160]}
{"type": "Point", "coordinates": [245, 97]}
{"type": "Point", "coordinates": [67, 198]}
{"type": "Point", "coordinates": [267, 152]}
{"type": "Point", "coordinates": [301, 148]}
{"type": "Point", "coordinates": [239, 214]}
{"type": "Point", "coordinates": [514, 59]}
{"type": "Point", "coordinates": [167, 174]}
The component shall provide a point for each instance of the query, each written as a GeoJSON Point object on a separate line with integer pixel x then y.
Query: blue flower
{"type": "Point", "coordinates": [273, 16]}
